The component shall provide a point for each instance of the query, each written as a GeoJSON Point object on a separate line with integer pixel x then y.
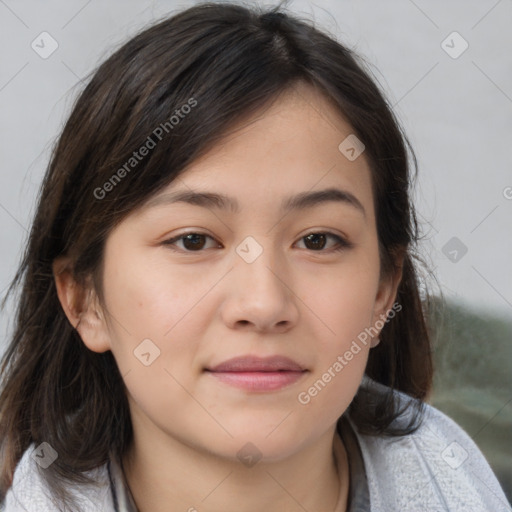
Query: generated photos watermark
{"type": "Point", "coordinates": [149, 144]}
{"type": "Point", "coordinates": [304, 397]}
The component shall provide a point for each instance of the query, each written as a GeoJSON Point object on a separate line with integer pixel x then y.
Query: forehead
{"type": "Point", "coordinates": [301, 121]}
{"type": "Point", "coordinates": [289, 147]}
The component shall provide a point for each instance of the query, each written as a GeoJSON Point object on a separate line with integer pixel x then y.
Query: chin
{"type": "Point", "coordinates": [269, 443]}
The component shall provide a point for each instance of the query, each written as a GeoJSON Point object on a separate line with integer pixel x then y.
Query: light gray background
{"type": "Point", "coordinates": [457, 112]}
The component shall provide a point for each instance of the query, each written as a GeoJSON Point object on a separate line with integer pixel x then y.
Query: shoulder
{"type": "Point", "coordinates": [29, 492]}
{"type": "Point", "coordinates": [436, 468]}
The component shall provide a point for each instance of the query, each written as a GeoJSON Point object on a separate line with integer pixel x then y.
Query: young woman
{"type": "Point", "coordinates": [220, 307]}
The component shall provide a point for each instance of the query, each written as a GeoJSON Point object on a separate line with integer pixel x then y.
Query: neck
{"type": "Point", "coordinates": [163, 470]}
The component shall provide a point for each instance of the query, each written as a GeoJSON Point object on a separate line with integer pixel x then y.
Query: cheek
{"type": "Point", "coordinates": [346, 313]}
{"type": "Point", "coordinates": [343, 301]}
{"type": "Point", "coordinates": [154, 337]}
{"type": "Point", "coordinates": [344, 304]}
{"type": "Point", "coordinates": [147, 302]}
{"type": "Point", "coordinates": [342, 354]}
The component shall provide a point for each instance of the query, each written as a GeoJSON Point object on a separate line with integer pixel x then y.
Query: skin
{"type": "Point", "coordinates": [299, 299]}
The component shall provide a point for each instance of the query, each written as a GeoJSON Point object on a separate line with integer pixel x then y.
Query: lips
{"type": "Point", "coordinates": [258, 364]}
{"type": "Point", "coordinates": [256, 374]}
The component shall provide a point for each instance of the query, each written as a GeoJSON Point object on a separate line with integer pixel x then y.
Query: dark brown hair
{"type": "Point", "coordinates": [233, 61]}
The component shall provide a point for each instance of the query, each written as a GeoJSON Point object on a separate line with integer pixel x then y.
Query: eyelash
{"type": "Point", "coordinates": [342, 243]}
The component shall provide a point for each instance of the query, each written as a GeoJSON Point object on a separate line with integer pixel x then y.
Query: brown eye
{"type": "Point", "coordinates": [315, 241]}
{"type": "Point", "coordinates": [192, 242]}
{"type": "Point", "coordinates": [318, 241]}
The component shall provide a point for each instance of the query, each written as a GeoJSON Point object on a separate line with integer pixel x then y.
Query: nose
{"type": "Point", "coordinates": [260, 296]}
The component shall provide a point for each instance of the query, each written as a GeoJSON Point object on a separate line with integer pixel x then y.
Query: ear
{"type": "Point", "coordinates": [387, 290]}
{"type": "Point", "coordinates": [81, 306]}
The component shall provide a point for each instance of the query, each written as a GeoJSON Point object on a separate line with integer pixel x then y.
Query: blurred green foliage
{"type": "Point", "coordinates": [473, 379]}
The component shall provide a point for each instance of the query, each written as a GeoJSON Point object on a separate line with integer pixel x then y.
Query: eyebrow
{"type": "Point", "coordinates": [222, 202]}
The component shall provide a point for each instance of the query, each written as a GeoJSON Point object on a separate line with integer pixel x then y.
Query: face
{"type": "Point", "coordinates": [189, 285]}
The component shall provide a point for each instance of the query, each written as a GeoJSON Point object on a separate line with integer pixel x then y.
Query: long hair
{"type": "Point", "coordinates": [226, 62]}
